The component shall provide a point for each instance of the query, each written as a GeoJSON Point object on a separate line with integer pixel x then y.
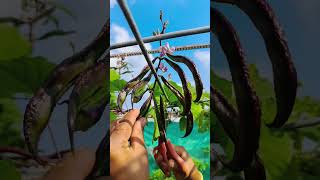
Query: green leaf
{"type": "Point", "coordinates": [12, 45]}
{"type": "Point", "coordinates": [117, 85]}
{"type": "Point", "coordinates": [222, 84]}
{"type": "Point", "coordinates": [9, 171]}
{"type": "Point", "coordinates": [10, 120]}
{"type": "Point", "coordinates": [113, 117]}
{"type": "Point", "coordinates": [276, 151]}
{"type": "Point", "coordinates": [114, 75]}
{"type": "Point", "coordinates": [24, 75]}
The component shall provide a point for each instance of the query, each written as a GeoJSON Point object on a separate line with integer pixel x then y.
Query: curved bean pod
{"type": "Point", "coordinates": [88, 99]}
{"type": "Point", "coordinates": [228, 117]}
{"type": "Point", "coordinates": [284, 72]}
{"type": "Point", "coordinates": [145, 106]}
{"type": "Point", "coordinates": [140, 89]}
{"type": "Point", "coordinates": [225, 112]}
{"type": "Point", "coordinates": [256, 170]}
{"type": "Point", "coordinates": [196, 76]}
{"type": "Point", "coordinates": [131, 84]}
{"type": "Point", "coordinates": [41, 105]}
{"type": "Point", "coordinates": [162, 120]}
{"type": "Point", "coordinates": [189, 124]}
{"type": "Point", "coordinates": [186, 90]}
{"type": "Point", "coordinates": [137, 96]}
{"type": "Point", "coordinates": [174, 90]}
{"type": "Point", "coordinates": [137, 79]}
{"type": "Point", "coordinates": [248, 105]}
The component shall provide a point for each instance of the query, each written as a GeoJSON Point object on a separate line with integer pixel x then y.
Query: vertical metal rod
{"type": "Point", "coordinates": [126, 11]}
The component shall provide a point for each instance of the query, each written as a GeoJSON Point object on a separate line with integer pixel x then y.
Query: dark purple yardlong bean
{"type": "Point", "coordinates": [284, 72]}
{"type": "Point", "coordinates": [88, 99]}
{"type": "Point", "coordinates": [248, 105]}
{"type": "Point", "coordinates": [186, 90]}
{"type": "Point", "coordinates": [41, 105]}
{"type": "Point", "coordinates": [192, 67]}
{"type": "Point", "coordinates": [174, 90]}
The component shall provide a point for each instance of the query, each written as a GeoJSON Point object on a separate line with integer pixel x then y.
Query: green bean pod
{"type": "Point", "coordinates": [41, 105]}
{"type": "Point", "coordinates": [248, 105]}
{"type": "Point", "coordinates": [186, 90]}
{"type": "Point", "coordinates": [192, 67]}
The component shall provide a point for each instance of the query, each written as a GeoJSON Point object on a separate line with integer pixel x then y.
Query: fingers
{"type": "Point", "coordinates": [162, 164]}
{"type": "Point", "coordinates": [173, 154]}
{"type": "Point", "coordinates": [173, 165]}
{"type": "Point", "coordinates": [137, 139]}
{"type": "Point", "coordinates": [123, 130]}
{"type": "Point", "coordinates": [181, 151]}
{"type": "Point", "coordinates": [73, 166]}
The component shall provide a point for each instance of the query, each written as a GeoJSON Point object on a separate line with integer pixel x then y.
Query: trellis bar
{"type": "Point", "coordinates": [133, 26]}
{"type": "Point", "coordinates": [155, 51]}
{"type": "Point", "coordinates": [169, 35]}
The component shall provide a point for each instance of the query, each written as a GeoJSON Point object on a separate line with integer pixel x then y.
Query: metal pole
{"type": "Point", "coordinates": [169, 35]}
{"type": "Point", "coordinates": [155, 51]}
{"type": "Point", "coordinates": [126, 11]}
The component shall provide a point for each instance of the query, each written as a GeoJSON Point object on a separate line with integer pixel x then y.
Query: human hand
{"type": "Point", "coordinates": [180, 163]}
{"type": "Point", "coordinates": [128, 155]}
{"type": "Point", "coordinates": [76, 166]}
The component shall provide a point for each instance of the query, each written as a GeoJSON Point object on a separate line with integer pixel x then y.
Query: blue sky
{"type": "Point", "coordinates": [182, 14]}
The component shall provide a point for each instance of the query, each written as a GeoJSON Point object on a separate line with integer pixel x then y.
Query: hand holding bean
{"type": "Point", "coordinates": [177, 160]}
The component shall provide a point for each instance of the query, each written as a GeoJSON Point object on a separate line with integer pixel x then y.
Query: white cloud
{"type": "Point", "coordinates": [113, 3]}
{"type": "Point", "coordinates": [203, 57]}
{"type": "Point", "coordinates": [120, 34]}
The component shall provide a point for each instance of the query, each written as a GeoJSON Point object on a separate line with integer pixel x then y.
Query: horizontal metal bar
{"type": "Point", "coordinates": [169, 35]}
{"type": "Point", "coordinates": [155, 51]}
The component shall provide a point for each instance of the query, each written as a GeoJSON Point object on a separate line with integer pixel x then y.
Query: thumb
{"type": "Point", "coordinates": [137, 139]}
